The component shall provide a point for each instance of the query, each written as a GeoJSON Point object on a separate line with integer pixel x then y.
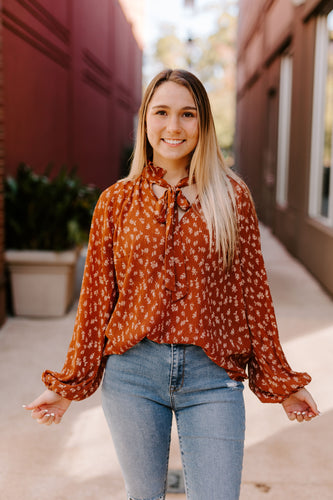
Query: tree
{"type": "Point", "coordinates": [170, 51]}
{"type": "Point", "coordinates": [213, 60]}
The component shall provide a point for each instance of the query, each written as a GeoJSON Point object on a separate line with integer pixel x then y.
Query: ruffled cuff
{"type": "Point", "coordinates": [74, 391]}
{"type": "Point", "coordinates": [276, 389]}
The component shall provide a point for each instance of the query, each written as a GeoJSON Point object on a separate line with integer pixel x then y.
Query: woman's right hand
{"type": "Point", "coordinates": [48, 408]}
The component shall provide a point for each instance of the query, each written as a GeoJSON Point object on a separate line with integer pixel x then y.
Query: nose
{"type": "Point", "coordinates": [173, 124]}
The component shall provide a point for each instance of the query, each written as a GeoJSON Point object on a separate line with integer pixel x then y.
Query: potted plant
{"type": "Point", "coordinates": [47, 220]}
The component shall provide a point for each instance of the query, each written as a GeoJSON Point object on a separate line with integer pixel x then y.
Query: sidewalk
{"type": "Point", "coordinates": [76, 460]}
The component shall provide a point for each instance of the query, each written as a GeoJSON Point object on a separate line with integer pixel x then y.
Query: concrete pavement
{"type": "Point", "coordinates": [76, 460]}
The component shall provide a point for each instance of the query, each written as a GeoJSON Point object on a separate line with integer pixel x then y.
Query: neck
{"type": "Point", "coordinates": [173, 178]}
{"type": "Point", "coordinates": [175, 171]}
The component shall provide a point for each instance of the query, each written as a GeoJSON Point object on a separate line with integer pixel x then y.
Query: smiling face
{"type": "Point", "coordinates": [172, 126]}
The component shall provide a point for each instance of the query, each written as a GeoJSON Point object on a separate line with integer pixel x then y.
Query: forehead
{"type": "Point", "coordinates": [171, 93]}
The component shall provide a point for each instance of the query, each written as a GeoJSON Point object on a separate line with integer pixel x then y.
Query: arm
{"type": "Point", "coordinates": [84, 365]}
{"type": "Point", "coordinates": [270, 376]}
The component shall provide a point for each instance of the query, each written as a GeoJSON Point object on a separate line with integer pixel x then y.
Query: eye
{"type": "Point", "coordinates": [189, 114]}
{"type": "Point", "coordinates": [161, 112]}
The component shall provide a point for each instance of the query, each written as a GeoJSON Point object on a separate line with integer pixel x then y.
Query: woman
{"type": "Point", "coordinates": [174, 306]}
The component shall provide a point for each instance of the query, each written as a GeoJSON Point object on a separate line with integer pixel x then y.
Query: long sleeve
{"type": "Point", "coordinates": [84, 365]}
{"type": "Point", "coordinates": [270, 376]}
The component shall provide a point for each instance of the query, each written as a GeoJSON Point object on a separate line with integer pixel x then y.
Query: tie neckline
{"type": "Point", "coordinates": [166, 212]}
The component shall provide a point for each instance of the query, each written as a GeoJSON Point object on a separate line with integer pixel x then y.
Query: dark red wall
{"type": "Point", "coordinates": [72, 85]}
{"type": "Point", "coordinates": [2, 264]}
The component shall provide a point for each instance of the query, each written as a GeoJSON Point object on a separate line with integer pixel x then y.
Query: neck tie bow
{"type": "Point", "coordinates": [166, 212]}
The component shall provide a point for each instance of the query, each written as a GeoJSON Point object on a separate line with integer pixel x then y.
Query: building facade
{"type": "Point", "coordinates": [70, 86]}
{"type": "Point", "coordinates": [2, 218]}
{"type": "Point", "coordinates": [284, 132]}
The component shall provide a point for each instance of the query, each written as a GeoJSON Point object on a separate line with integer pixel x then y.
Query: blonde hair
{"type": "Point", "coordinates": [207, 167]}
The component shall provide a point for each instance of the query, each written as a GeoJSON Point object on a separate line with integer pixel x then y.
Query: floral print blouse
{"type": "Point", "coordinates": [151, 274]}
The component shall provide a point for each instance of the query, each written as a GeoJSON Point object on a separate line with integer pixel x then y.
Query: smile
{"type": "Point", "coordinates": [173, 142]}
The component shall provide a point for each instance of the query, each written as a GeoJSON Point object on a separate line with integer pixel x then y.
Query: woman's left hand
{"type": "Point", "coordinates": [300, 406]}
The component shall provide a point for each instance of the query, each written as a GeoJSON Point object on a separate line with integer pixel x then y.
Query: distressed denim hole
{"type": "Point", "coordinates": [232, 384]}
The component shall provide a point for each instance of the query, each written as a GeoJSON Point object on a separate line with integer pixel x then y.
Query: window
{"type": "Point", "coordinates": [286, 73]}
{"type": "Point", "coordinates": [321, 178]}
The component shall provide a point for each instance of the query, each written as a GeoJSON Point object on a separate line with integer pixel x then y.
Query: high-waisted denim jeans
{"type": "Point", "coordinates": [142, 388]}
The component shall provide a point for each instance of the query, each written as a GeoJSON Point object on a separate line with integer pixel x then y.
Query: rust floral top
{"type": "Point", "coordinates": [149, 274]}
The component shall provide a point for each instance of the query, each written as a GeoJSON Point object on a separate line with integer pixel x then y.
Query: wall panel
{"type": "Point", "coordinates": [32, 17]}
{"type": "Point", "coordinates": [68, 65]}
{"type": "Point", "coordinates": [278, 24]}
{"type": "Point", "coordinates": [250, 13]}
{"type": "Point", "coordinates": [292, 29]}
{"type": "Point", "coordinates": [58, 9]}
{"type": "Point", "coordinates": [35, 97]}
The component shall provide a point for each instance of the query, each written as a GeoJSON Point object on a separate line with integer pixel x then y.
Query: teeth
{"type": "Point", "coordinates": [173, 141]}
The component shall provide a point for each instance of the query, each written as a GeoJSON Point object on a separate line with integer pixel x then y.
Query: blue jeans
{"type": "Point", "coordinates": [142, 388]}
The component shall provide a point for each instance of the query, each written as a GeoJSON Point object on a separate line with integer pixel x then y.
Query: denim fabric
{"type": "Point", "coordinates": [141, 390]}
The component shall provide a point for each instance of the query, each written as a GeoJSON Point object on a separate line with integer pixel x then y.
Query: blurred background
{"type": "Point", "coordinates": [72, 74]}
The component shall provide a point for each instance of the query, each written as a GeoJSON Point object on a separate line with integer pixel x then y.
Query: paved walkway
{"type": "Point", "coordinates": [76, 460]}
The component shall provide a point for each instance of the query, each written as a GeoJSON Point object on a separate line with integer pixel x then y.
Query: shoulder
{"type": "Point", "coordinates": [120, 189]}
{"type": "Point", "coordinates": [241, 191]}
{"type": "Point", "coordinates": [111, 201]}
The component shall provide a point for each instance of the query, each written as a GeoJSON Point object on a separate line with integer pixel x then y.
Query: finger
{"type": "Point", "coordinates": [34, 404]}
{"type": "Point", "coordinates": [312, 404]}
{"type": "Point", "coordinates": [308, 415]}
{"type": "Point", "coordinates": [42, 420]}
{"type": "Point", "coordinates": [38, 413]}
{"type": "Point", "coordinates": [311, 415]}
{"type": "Point", "coordinates": [46, 419]}
{"type": "Point", "coordinates": [291, 416]}
{"type": "Point", "coordinates": [50, 419]}
{"type": "Point", "coordinates": [299, 416]}
{"type": "Point", "coordinates": [43, 399]}
{"type": "Point", "coordinates": [57, 419]}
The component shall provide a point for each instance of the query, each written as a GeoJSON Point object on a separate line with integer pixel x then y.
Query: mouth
{"type": "Point", "coordinates": [173, 142]}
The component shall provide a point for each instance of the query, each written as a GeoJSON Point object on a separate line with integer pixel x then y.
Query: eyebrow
{"type": "Point", "coordinates": [165, 106]}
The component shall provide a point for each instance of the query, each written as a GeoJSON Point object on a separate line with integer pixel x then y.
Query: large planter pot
{"type": "Point", "coordinates": [42, 282]}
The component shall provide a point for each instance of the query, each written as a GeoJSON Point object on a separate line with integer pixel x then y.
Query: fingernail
{"type": "Point", "coordinates": [304, 412]}
{"type": "Point", "coordinates": [52, 415]}
{"type": "Point", "coordinates": [298, 413]}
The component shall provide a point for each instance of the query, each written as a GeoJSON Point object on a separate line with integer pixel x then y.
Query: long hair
{"type": "Point", "coordinates": [207, 167]}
